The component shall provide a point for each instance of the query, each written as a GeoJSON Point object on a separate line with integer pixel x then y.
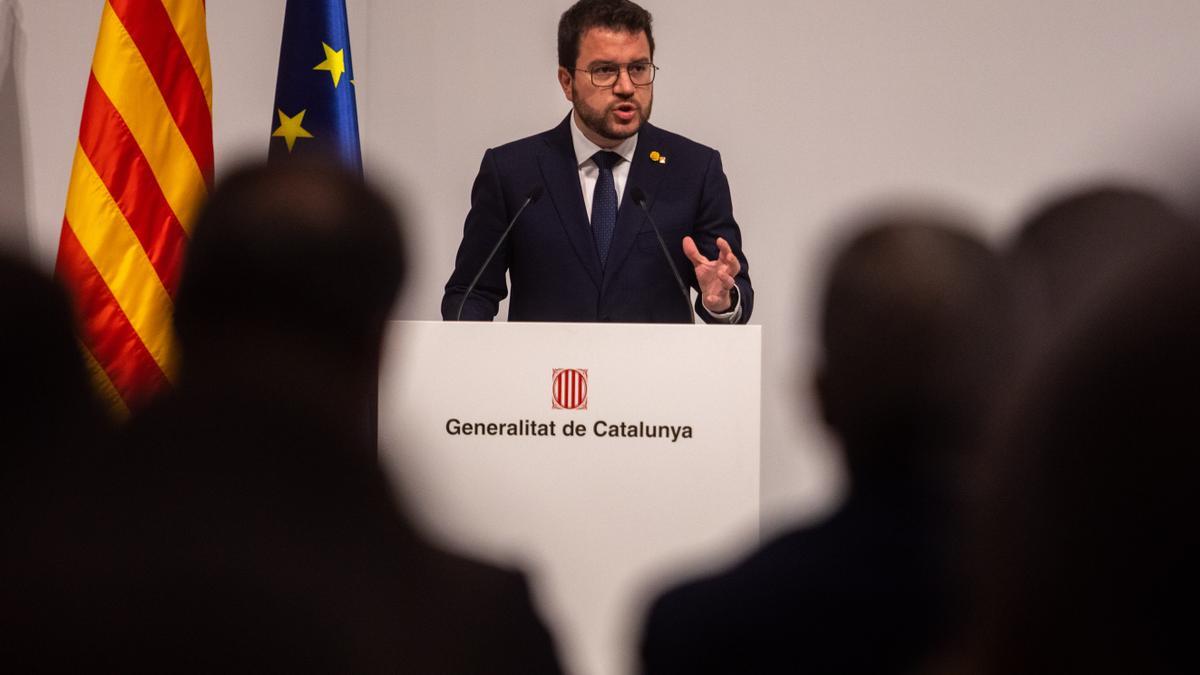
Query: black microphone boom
{"type": "Point", "coordinates": [639, 198]}
{"type": "Point", "coordinates": [532, 196]}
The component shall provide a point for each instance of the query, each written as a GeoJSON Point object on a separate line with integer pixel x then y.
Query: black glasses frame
{"type": "Point", "coordinates": [620, 66]}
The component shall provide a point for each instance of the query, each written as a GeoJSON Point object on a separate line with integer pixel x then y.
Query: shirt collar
{"type": "Point", "coordinates": [584, 148]}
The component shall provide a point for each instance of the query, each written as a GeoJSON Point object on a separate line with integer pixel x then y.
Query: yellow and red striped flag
{"type": "Point", "coordinates": [143, 165]}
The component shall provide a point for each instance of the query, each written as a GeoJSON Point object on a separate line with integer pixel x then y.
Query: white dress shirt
{"type": "Point", "coordinates": [589, 173]}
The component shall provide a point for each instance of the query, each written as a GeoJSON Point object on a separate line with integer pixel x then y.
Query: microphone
{"type": "Point", "coordinates": [639, 198]}
{"type": "Point", "coordinates": [532, 196]}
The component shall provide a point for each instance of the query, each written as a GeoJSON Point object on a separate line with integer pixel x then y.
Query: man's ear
{"type": "Point", "coordinates": [564, 81]}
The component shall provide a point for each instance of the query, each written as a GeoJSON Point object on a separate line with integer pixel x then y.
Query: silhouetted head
{"type": "Point", "coordinates": [1085, 561]}
{"type": "Point", "coordinates": [915, 314]}
{"type": "Point", "coordinates": [1067, 254]}
{"type": "Point", "coordinates": [299, 254]}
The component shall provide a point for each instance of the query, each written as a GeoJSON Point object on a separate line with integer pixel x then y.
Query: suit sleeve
{"type": "Point", "coordinates": [484, 225]}
{"type": "Point", "coordinates": [714, 219]}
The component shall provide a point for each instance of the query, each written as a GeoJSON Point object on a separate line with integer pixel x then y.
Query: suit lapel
{"type": "Point", "coordinates": [643, 173]}
{"type": "Point", "coordinates": [560, 172]}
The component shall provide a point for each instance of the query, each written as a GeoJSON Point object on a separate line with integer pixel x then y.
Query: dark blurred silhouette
{"type": "Point", "coordinates": [244, 523]}
{"type": "Point", "coordinates": [1068, 253]}
{"type": "Point", "coordinates": [47, 404]}
{"type": "Point", "coordinates": [50, 419]}
{"type": "Point", "coordinates": [1084, 559]}
{"type": "Point", "coordinates": [914, 319]}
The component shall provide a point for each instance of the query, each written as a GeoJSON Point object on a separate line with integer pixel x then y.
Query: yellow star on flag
{"type": "Point", "coordinates": [290, 129]}
{"type": "Point", "coordinates": [335, 63]}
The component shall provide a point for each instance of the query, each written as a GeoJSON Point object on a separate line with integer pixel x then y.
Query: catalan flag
{"type": "Point", "coordinates": [315, 113]}
{"type": "Point", "coordinates": [143, 164]}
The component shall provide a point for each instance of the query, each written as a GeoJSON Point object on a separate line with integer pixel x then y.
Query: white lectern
{"type": "Point", "coordinates": [602, 458]}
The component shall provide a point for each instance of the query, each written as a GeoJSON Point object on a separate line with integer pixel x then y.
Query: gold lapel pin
{"type": "Point", "coordinates": [656, 156]}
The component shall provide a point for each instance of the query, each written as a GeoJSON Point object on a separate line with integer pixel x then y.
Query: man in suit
{"type": "Point", "coordinates": [588, 251]}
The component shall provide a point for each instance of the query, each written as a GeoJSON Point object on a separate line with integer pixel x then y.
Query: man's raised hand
{"type": "Point", "coordinates": [715, 277]}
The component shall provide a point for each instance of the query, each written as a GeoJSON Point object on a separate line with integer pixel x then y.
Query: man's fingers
{"type": "Point", "coordinates": [732, 264]}
{"type": "Point", "coordinates": [693, 253]}
{"type": "Point", "coordinates": [727, 257]}
{"type": "Point", "coordinates": [726, 280]}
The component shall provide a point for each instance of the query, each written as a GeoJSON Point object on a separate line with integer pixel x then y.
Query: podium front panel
{"type": "Point", "coordinates": [600, 458]}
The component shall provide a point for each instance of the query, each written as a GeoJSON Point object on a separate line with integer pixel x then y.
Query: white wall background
{"type": "Point", "coordinates": [817, 107]}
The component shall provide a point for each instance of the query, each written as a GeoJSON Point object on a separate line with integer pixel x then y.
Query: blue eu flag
{"type": "Point", "coordinates": [315, 113]}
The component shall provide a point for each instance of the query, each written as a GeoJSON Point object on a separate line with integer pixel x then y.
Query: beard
{"type": "Point", "coordinates": [601, 121]}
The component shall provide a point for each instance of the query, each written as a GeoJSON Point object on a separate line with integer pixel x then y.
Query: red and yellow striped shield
{"type": "Point", "coordinates": [143, 165]}
{"type": "Point", "coordinates": [569, 389]}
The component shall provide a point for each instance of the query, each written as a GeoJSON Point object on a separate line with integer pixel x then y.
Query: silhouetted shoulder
{"type": "Point", "coordinates": [493, 608]}
{"type": "Point", "coordinates": [811, 596]}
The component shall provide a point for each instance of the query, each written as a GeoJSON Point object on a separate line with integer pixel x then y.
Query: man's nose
{"type": "Point", "coordinates": [624, 85]}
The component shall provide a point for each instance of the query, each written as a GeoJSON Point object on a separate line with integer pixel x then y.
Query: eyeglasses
{"type": "Point", "coordinates": [641, 73]}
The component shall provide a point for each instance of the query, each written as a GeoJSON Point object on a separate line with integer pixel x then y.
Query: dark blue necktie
{"type": "Point", "coordinates": [604, 203]}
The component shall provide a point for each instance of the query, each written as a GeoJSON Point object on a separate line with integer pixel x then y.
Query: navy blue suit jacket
{"type": "Point", "coordinates": [550, 254]}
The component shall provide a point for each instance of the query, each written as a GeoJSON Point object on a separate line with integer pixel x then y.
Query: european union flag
{"type": "Point", "coordinates": [315, 113]}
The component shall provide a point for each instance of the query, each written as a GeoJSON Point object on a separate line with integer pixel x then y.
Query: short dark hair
{"type": "Point", "coordinates": [302, 248]}
{"type": "Point", "coordinates": [912, 331]}
{"type": "Point", "coordinates": [620, 15]}
{"type": "Point", "coordinates": [1067, 255]}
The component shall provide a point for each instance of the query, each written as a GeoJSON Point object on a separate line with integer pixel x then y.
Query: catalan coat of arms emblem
{"type": "Point", "coordinates": [569, 389]}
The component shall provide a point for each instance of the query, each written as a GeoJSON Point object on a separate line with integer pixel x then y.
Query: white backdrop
{"type": "Point", "coordinates": [815, 105]}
